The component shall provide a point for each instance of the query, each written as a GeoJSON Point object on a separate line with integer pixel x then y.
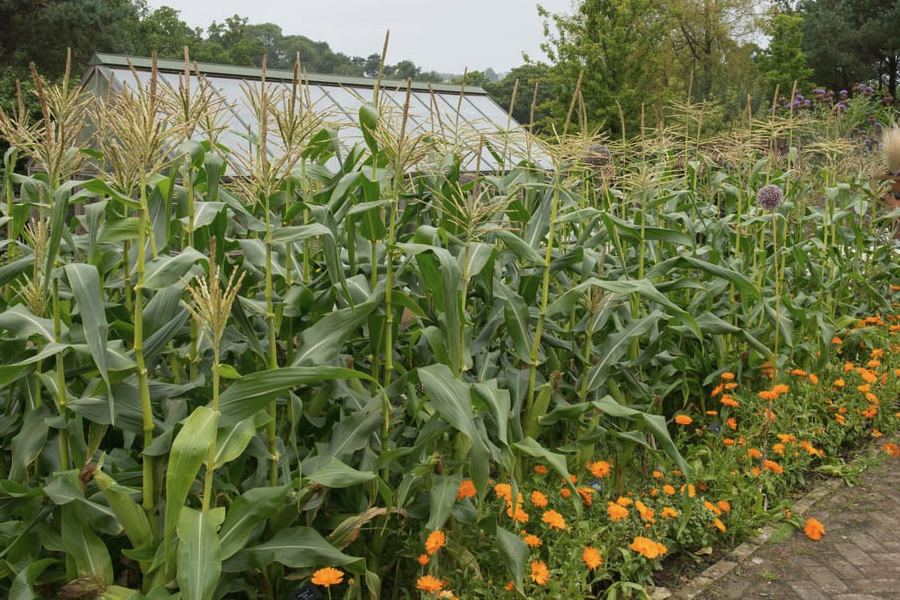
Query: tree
{"type": "Point", "coordinates": [530, 79]}
{"type": "Point", "coordinates": [784, 63]}
{"type": "Point", "coordinates": [849, 41]}
{"type": "Point", "coordinates": [163, 31]}
{"type": "Point", "coordinates": [617, 45]}
{"type": "Point", "coordinates": [43, 31]}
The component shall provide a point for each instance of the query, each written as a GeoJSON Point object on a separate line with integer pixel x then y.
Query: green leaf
{"type": "Point", "coordinates": [22, 587]}
{"type": "Point", "coordinates": [119, 230]}
{"type": "Point", "coordinates": [22, 322]}
{"type": "Point", "coordinates": [295, 547]}
{"type": "Point", "coordinates": [335, 474]}
{"type": "Point", "coordinates": [515, 555]}
{"type": "Point", "coordinates": [83, 546]}
{"type": "Point", "coordinates": [164, 271]}
{"type": "Point", "coordinates": [29, 441]}
{"type": "Point", "coordinates": [199, 553]}
{"type": "Point", "coordinates": [249, 394]}
{"type": "Point", "coordinates": [323, 341]}
{"type": "Point", "coordinates": [614, 347]}
{"type": "Point", "coordinates": [84, 281]}
{"type": "Point", "coordinates": [189, 450]}
{"type": "Point", "coordinates": [246, 512]}
{"type": "Point", "coordinates": [101, 188]}
{"type": "Point", "coordinates": [443, 496]}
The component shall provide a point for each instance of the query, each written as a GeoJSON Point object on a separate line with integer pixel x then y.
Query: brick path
{"type": "Point", "coordinates": [858, 558]}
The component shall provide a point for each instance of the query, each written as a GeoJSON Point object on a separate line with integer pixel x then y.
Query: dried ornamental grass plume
{"type": "Point", "coordinates": [769, 197]}
{"type": "Point", "coordinates": [891, 141]}
{"type": "Point", "coordinates": [327, 577]}
{"type": "Point", "coordinates": [814, 529]}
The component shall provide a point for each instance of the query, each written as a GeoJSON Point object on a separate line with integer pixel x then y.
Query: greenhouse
{"type": "Point", "coordinates": [464, 117]}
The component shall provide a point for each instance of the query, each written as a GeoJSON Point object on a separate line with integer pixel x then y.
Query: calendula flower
{"type": "Point", "coordinates": [591, 557]}
{"type": "Point", "coordinates": [732, 423]}
{"type": "Point", "coordinates": [683, 420]}
{"type": "Point", "coordinates": [813, 379]}
{"type": "Point", "coordinates": [533, 541]}
{"type": "Point", "coordinates": [769, 197]}
{"type": "Point", "coordinates": [466, 489]}
{"type": "Point", "coordinates": [669, 490]}
{"type": "Point", "coordinates": [539, 499]}
{"type": "Point", "coordinates": [540, 470]}
{"type": "Point", "coordinates": [586, 494]}
{"type": "Point", "coordinates": [837, 341]}
{"type": "Point", "coordinates": [668, 513]}
{"type": "Point", "coordinates": [616, 512]}
{"type": "Point", "coordinates": [599, 469]}
{"type": "Point", "coordinates": [814, 529]}
{"type": "Point", "coordinates": [327, 577]}
{"type": "Point", "coordinates": [729, 400]}
{"type": "Point", "coordinates": [434, 542]}
{"type": "Point", "coordinates": [891, 449]}
{"type": "Point", "coordinates": [727, 376]}
{"type": "Point", "coordinates": [540, 574]}
{"type": "Point", "coordinates": [518, 514]}
{"type": "Point", "coordinates": [554, 519]}
{"type": "Point", "coordinates": [504, 490]}
{"type": "Point", "coordinates": [427, 583]}
{"type": "Point", "coordinates": [423, 559]}
{"type": "Point", "coordinates": [768, 395]}
{"type": "Point", "coordinates": [647, 547]}
{"type": "Point", "coordinates": [723, 505]}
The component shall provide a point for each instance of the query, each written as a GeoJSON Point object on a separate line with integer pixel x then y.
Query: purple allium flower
{"type": "Point", "coordinates": [769, 197]}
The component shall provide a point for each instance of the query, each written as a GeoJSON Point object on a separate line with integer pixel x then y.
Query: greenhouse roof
{"type": "Point", "coordinates": [465, 118]}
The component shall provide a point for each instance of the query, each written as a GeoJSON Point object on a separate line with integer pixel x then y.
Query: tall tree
{"type": "Point", "coordinates": [783, 64]}
{"type": "Point", "coordinates": [616, 44]}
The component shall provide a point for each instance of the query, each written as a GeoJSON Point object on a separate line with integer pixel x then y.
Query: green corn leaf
{"type": "Point", "coordinates": [164, 271]}
{"type": "Point", "coordinates": [22, 587]}
{"type": "Point", "coordinates": [84, 281]}
{"type": "Point", "coordinates": [118, 230]}
{"type": "Point", "coordinates": [29, 441]}
{"type": "Point", "coordinates": [515, 555]}
{"type": "Point", "coordinates": [131, 516]}
{"type": "Point", "coordinates": [83, 546]}
{"type": "Point", "coordinates": [249, 394]}
{"type": "Point", "coordinates": [295, 547]}
{"type": "Point", "coordinates": [615, 346]}
{"type": "Point", "coordinates": [199, 553]}
{"type": "Point", "coordinates": [189, 450]}
{"type": "Point", "coordinates": [21, 321]}
{"type": "Point", "coordinates": [246, 512]}
{"type": "Point", "coordinates": [443, 497]}
{"type": "Point", "coordinates": [335, 474]}
{"type": "Point", "coordinates": [101, 188]}
{"type": "Point", "coordinates": [231, 441]}
{"type": "Point", "coordinates": [323, 341]}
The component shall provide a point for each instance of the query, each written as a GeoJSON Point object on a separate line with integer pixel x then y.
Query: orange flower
{"type": "Point", "coordinates": [669, 490]}
{"type": "Point", "coordinates": [423, 559]}
{"type": "Point", "coordinates": [782, 388]}
{"type": "Point", "coordinates": [648, 547]}
{"type": "Point", "coordinates": [773, 466]}
{"type": "Point", "coordinates": [554, 519]}
{"type": "Point", "coordinates": [540, 574]}
{"type": "Point", "coordinates": [434, 542]}
{"type": "Point", "coordinates": [839, 383]}
{"type": "Point", "coordinates": [837, 341]}
{"type": "Point", "coordinates": [719, 525]}
{"type": "Point", "coordinates": [728, 441]}
{"type": "Point", "coordinates": [668, 512]}
{"type": "Point", "coordinates": [427, 583]}
{"type": "Point", "coordinates": [518, 514]}
{"type": "Point", "coordinates": [754, 453]}
{"type": "Point", "coordinates": [712, 507]}
{"type": "Point", "coordinates": [466, 489]}
{"type": "Point", "coordinates": [599, 469]}
{"type": "Point", "coordinates": [510, 586]}
{"type": "Point", "coordinates": [814, 529]}
{"type": "Point", "coordinates": [717, 390]}
{"type": "Point", "coordinates": [768, 395]}
{"type": "Point", "coordinates": [540, 470]}
{"type": "Point", "coordinates": [504, 490]}
{"type": "Point", "coordinates": [538, 499]}
{"type": "Point", "coordinates": [724, 505]}
{"type": "Point", "coordinates": [616, 512]}
{"type": "Point", "coordinates": [732, 423]}
{"type": "Point", "coordinates": [683, 420]}
{"type": "Point", "coordinates": [533, 541]}
{"type": "Point", "coordinates": [327, 577]}
{"type": "Point", "coordinates": [586, 494]}
{"type": "Point", "coordinates": [891, 449]}
{"type": "Point", "coordinates": [814, 379]}
{"type": "Point", "coordinates": [591, 557]}
{"type": "Point", "coordinates": [727, 376]}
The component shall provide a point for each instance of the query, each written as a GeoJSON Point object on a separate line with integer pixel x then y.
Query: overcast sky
{"type": "Point", "coordinates": [437, 35]}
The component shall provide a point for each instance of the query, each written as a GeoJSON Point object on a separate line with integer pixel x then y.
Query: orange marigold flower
{"type": "Point", "coordinates": [877, 353]}
{"type": "Point", "coordinates": [510, 586]}
{"type": "Point", "coordinates": [891, 449]}
{"type": "Point", "coordinates": [782, 388]}
{"type": "Point", "coordinates": [768, 395]}
{"type": "Point", "coordinates": [540, 574]}
{"type": "Point", "coordinates": [624, 501]}
{"type": "Point", "coordinates": [837, 341]}
{"type": "Point", "coordinates": [669, 490]}
{"type": "Point", "coordinates": [668, 512]}
{"type": "Point", "coordinates": [731, 385]}
{"type": "Point", "coordinates": [773, 466]}
{"type": "Point", "coordinates": [648, 547]}
{"type": "Point", "coordinates": [728, 441]}
{"type": "Point", "coordinates": [466, 489]}
{"type": "Point", "coordinates": [565, 492]}
{"type": "Point", "coordinates": [683, 420]}
{"type": "Point", "coordinates": [533, 541]}
{"type": "Point", "coordinates": [599, 469]}
{"type": "Point", "coordinates": [712, 413]}
{"type": "Point", "coordinates": [840, 419]}
{"type": "Point", "coordinates": [778, 449]}
{"type": "Point", "coordinates": [657, 475]}
{"type": "Point", "coordinates": [724, 505]}
{"type": "Point", "coordinates": [586, 493]}
{"type": "Point", "coordinates": [540, 469]}
{"type": "Point", "coordinates": [814, 379]}
{"type": "Point", "coordinates": [839, 383]}
{"type": "Point", "coordinates": [434, 542]}
{"type": "Point", "coordinates": [423, 559]}
{"type": "Point", "coordinates": [717, 390]}
{"type": "Point", "coordinates": [864, 387]}
{"type": "Point", "coordinates": [504, 490]}
{"type": "Point", "coordinates": [786, 437]}
{"type": "Point", "coordinates": [732, 423]}
{"type": "Point", "coordinates": [616, 512]}
{"type": "Point", "coordinates": [591, 557]}
{"type": "Point", "coordinates": [814, 529]}
{"type": "Point", "coordinates": [327, 577]}
{"type": "Point", "coordinates": [691, 490]}
{"type": "Point", "coordinates": [727, 376]}
{"type": "Point", "coordinates": [754, 453]}
{"type": "Point", "coordinates": [554, 519]}
{"type": "Point", "coordinates": [719, 524]}
{"type": "Point", "coordinates": [427, 583]}
{"type": "Point", "coordinates": [712, 507]}
{"type": "Point", "coordinates": [539, 499]}
{"type": "Point", "coordinates": [876, 434]}
{"type": "Point", "coordinates": [848, 366]}
{"type": "Point", "coordinates": [728, 400]}
{"type": "Point", "coordinates": [518, 514]}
